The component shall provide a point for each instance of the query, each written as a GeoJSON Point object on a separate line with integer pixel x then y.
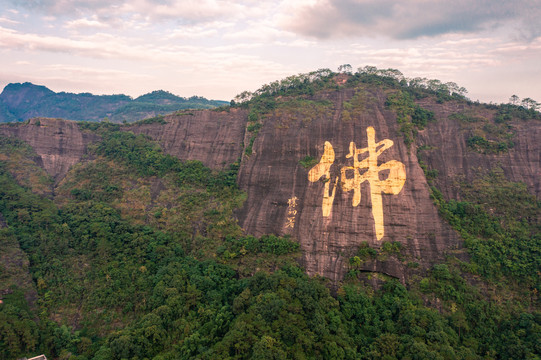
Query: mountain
{"type": "Point", "coordinates": [20, 102]}
{"type": "Point", "coordinates": [326, 215]}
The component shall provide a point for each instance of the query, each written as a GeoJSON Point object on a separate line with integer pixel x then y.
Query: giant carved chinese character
{"type": "Point", "coordinates": [392, 185]}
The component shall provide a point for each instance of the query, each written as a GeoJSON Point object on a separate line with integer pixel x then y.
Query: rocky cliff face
{"type": "Point", "coordinates": [448, 152]}
{"type": "Point", "coordinates": [214, 138]}
{"type": "Point", "coordinates": [331, 170]}
{"type": "Point", "coordinates": [59, 143]}
{"type": "Point", "coordinates": [284, 199]}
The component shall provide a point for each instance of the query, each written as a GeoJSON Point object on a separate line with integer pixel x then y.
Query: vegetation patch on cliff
{"type": "Point", "coordinates": [19, 160]}
{"type": "Point", "coordinates": [410, 116]}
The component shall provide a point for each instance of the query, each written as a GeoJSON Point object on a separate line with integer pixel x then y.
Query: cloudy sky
{"type": "Point", "coordinates": [219, 48]}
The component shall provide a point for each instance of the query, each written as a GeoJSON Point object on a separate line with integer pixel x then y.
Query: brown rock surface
{"type": "Point", "coordinates": [59, 143]}
{"type": "Point", "coordinates": [454, 161]}
{"type": "Point", "coordinates": [273, 175]}
{"type": "Point", "coordinates": [214, 138]}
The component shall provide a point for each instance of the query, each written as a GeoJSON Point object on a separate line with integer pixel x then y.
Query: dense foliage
{"type": "Point", "coordinates": [325, 79]}
{"type": "Point", "coordinates": [410, 116]}
{"type": "Point", "coordinates": [501, 224]}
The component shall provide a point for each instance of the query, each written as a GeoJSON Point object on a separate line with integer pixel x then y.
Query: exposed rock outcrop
{"type": "Point", "coordinates": [60, 144]}
{"type": "Point", "coordinates": [449, 154]}
{"type": "Point", "coordinates": [214, 138]}
{"type": "Point", "coordinates": [273, 175]}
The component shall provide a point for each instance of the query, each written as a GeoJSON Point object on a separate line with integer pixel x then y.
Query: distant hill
{"type": "Point", "coordinates": [20, 102]}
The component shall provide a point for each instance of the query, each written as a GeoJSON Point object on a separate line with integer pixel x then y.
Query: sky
{"type": "Point", "coordinates": [219, 48]}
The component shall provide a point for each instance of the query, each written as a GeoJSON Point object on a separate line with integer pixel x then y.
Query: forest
{"type": "Point", "coordinates": [106, 267]}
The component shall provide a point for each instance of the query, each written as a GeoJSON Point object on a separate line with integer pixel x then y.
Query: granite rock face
{"type": "Point", "coordinates": [60, 144]}
{"type": "Point", "coordinates": [283, 200]}
{"type": "Point", "coordinates": [450, 155]}
{"type": "Point", "coordinates": [214, 138]}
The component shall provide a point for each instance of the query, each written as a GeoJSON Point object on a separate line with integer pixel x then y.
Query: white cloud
{"type": "Point", "coordinates": [100, 45]}
{"type": "Point", "coordinates": [91, 74]}
{"type": "Point", "coordinates": [8, 21]}
{"type": "Point", "coordinates": [193, 32]}
{"type": "Point", "coordinates": [190, 11]}
{"type": "Point", "coordinates": [85, 23]}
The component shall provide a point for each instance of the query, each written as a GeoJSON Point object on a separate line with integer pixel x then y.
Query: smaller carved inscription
{"type": "Point", "coordinates": [291, 212]}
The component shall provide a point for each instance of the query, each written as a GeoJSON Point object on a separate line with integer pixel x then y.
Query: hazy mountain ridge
{"type": "Point", "coordinates": [20, 102]}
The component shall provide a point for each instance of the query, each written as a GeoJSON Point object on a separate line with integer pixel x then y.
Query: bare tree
{"type": "Point", "coordinates": [345, 69]}
{"type": "Point", "coordinates": [513, 100]}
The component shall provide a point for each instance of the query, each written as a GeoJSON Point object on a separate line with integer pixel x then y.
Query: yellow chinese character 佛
{"type": "Point", "coordinates": [392, 185]}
